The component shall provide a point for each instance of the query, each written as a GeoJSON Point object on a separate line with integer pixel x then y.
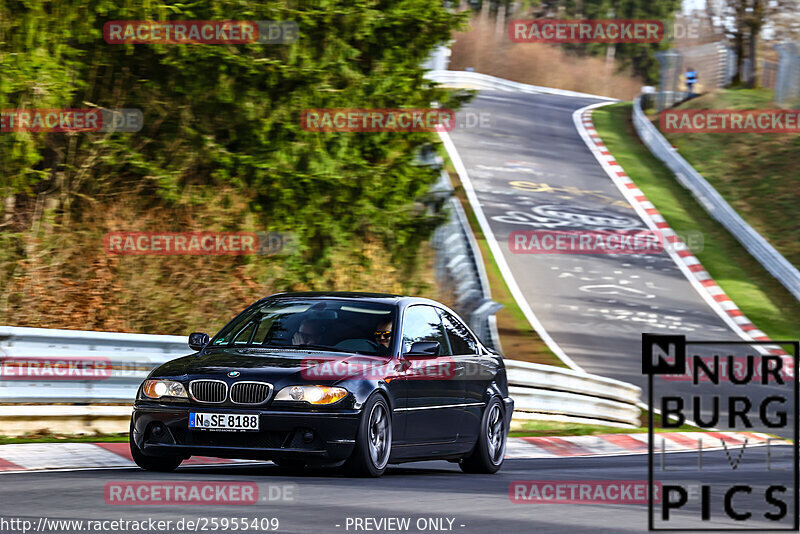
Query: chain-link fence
{"type": "Point", "coordinates": [787, 82]}
{"type": "Point", "coordinates": [714, 63]}
{"type": "Point", "coordinates": [670, 75]}
{"type": "Point", "coordinates": [769, 74]}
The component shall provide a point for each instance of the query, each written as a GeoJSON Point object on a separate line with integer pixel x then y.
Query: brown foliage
{"type": "Point", "coordinates": [487, 49]}
{"type": "Point", "coordinates": [64, 278]}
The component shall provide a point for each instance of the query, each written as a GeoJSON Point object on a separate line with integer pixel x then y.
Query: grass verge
{"type": "Point", "coordinates": [557, 428]}
{"type": "Point", "coordinates": [756, 173]}
{"type": "Point", "coordinates": [762, 298]}
{"type": "Point", "coordinates": [46, 437]}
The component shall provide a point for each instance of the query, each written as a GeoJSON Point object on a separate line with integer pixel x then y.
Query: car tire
{"type": "Point", "coordinates": [373, 440]}
{"type": "Point", "coordinates": [489, 451]}
{"type": "Point", "coordinates": [163, 464]}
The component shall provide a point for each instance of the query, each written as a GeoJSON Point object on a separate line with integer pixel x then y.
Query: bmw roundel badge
{"type": "Point", "coordinates": [234, 374]}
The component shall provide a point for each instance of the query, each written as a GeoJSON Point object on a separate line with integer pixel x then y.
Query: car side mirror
{"type": "Point", "coordinates": [198, 340]}
{"type": "Point", "coordinates": [424, 348]}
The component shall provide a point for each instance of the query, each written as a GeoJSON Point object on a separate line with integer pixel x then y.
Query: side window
{"type": "Point", "coordinates": [461, 340]}
{"type": "Point", "coordinates": [422, 323]}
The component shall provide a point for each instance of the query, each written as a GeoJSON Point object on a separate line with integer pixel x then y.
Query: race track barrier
{"type": "Point", "coordinates": [475, 80]}
{"type": "Point", "coordinates": [560, 394]}
{"type": "Point", "coordinates": [81, 404]}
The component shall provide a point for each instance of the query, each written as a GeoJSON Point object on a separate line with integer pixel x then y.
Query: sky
{"type": "Point", "coordinates": [691, 5]}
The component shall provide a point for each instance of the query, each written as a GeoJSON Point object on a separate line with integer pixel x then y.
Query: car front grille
{"type": "Point", "coordinates": [250, 392]}
{"type": "Point", "coordinates": [208, 391]}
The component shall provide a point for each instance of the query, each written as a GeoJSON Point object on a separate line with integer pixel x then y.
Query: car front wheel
{"type": "Point", "coordinates": [153, 463]}
{"type": "Point", "coordinates": [487, 457]}
{"type": "Point", "coordinates": [373, 441]}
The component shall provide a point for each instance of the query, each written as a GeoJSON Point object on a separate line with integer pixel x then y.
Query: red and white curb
{"type": "Point", "coordinates": [43, 456]}
{"type": "Point", "coordinates": [625, 444]}
{"type": "Point", "coordinates": [71, 456]}
{"type": "Point", "coordinates": [694, 271]}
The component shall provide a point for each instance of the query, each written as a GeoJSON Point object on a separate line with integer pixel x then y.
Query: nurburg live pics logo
{"type": "Point", "coordinates": [764, 396]}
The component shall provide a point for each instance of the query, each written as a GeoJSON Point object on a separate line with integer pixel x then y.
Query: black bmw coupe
{"type": "Point", "coordinates": [355, 378]}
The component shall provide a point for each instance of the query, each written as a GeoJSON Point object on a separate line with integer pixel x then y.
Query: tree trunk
{"type": "Point", "coordinates": [756, 22]}
{"type": "Point", "coordinates": [753, 81]}
{"type": "Point", "coordinates": [8, 208]}
{"type": "Point", "coordinates": [738, 40]}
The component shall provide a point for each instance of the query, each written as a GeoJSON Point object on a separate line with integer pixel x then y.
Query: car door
{"type": "Point", "coordinates": [433, 394]}
{"type": "Point", "coordinates": [477, 373]}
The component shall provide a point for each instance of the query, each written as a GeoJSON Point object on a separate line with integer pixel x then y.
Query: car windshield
{"type": "Point", "coordinates": [314, 324]}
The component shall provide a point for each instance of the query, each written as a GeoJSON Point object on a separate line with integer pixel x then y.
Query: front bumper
{"type": "Point", "coordinates": [159, 430]}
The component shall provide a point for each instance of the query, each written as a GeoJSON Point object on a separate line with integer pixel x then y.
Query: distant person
{"type": "Point", "coordinates": [691, 80]}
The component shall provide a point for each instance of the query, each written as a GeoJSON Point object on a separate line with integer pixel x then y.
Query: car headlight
{"type": "Point", "coordinates": [311, 394]}
{"type": "Point", "coordinates": [156, 389]}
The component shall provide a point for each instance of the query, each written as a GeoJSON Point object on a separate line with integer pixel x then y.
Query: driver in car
{"type": "Point", "coordinates": [383, 337]}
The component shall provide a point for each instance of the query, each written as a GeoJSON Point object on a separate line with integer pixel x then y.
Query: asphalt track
{"type": "Point", "coordinates": [531, 170]}
{"type": "Point", "coordinates": [324, 499]}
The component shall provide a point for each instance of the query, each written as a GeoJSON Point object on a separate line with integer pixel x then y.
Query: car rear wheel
{"type": "Point", "coordinates": [153, 463]}
{"type": "Point", "coordinates": [487, 457]}
{"type": "Point", "coordinates": [373, 440]}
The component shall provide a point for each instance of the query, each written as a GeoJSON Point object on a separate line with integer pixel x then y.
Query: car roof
{"type": "Point", "coordinates": [388, 298]}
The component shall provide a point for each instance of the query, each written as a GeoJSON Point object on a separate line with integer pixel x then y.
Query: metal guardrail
{"type": "Point", "coordinates": [130, 357]}
{"type": "Point", "coordinates": [475, 80]}
{"type": "Point", "coordinates": [540, 391]}
{"type": "Point", "coordinates": [714, 204]}
{"type": "Point", "coordinates": [547, 392]}
{"type": "Point", "coordinates": [459, 265]}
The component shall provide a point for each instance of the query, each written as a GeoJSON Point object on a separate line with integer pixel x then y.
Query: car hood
{"type": "Point", "coordinates": [276, 366]}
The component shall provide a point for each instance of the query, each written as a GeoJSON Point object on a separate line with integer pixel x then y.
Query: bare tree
{"type": "Point", "coordinates": [785, 25]}
{"type": "Point", "coordinates": [743, 21]}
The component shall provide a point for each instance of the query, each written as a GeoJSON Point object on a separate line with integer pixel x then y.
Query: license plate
{"type": "Point", "coordinates": [223, 421]}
